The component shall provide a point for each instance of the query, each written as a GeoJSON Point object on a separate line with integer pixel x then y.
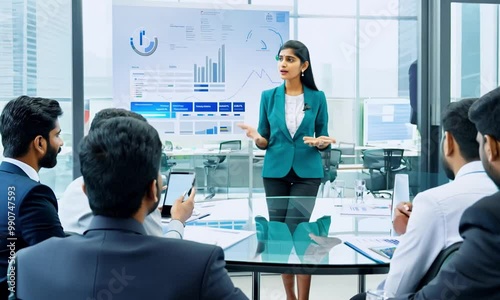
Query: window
{"type": "Point", "coordinates": [35, 60]}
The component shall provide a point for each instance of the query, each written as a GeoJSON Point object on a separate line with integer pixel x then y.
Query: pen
{"type": "Point", "coordinates": [203, 216]}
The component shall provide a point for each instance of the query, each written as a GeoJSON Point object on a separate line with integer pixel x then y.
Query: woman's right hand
{"type": "Point", "coordinates": [250, 131]}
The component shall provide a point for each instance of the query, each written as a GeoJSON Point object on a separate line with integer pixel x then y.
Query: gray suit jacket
{"type": "Point", "coordinates": [116, 259]}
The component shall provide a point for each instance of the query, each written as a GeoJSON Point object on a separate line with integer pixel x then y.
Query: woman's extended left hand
{"type": "Point", "coordinates": [320, 142]}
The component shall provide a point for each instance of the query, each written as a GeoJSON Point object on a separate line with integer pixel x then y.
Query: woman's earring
{"type": "Point", "coordinates": [302, 73]}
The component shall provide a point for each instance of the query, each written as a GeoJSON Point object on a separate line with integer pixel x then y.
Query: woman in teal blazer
{"type": "Point", "coordinates": [293, 128]}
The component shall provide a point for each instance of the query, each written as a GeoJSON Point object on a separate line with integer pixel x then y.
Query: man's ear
{"type": "Point", "coordinates": [40, 145]}
{"type": "Point", "coordinates": [491, 148]}
{"type": "Point", "coordinates": [84, 188]}
{"type": "Point", "coordinates": [448, 144]}
{"type": "Point", "coordinates": [152, 192]}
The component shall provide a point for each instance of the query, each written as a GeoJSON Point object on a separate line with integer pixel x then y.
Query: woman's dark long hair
{"type": "Point", "coordinates": [300, 50]}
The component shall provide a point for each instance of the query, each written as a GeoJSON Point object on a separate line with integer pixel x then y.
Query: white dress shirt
{"type": "Point", "coordinates": [433, 226]}
{"type": "Point", "coordinates": [25, 167]}
{"type": "Point", "coordinates": [75, 214]}
{"type": "Point", "coordinates": [294, 112]}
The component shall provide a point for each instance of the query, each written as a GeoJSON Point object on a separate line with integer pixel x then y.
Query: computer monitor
{"type": "Point", "coordinates": [386, 123]}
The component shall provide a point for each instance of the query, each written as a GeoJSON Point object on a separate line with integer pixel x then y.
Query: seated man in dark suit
{"type": "Point", "coordinates": [474, 271]}
{"type": "Point", "coordinates": [114, 258]}
{"type": "Point", "coordinates": [30, 137]}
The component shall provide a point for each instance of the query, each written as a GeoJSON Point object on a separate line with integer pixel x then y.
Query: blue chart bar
{"type": "Point", "coordinates": [206, 69]}
{"type": "Point", "coordinates": [211, 131]}
{"type": "Point", "coordinates": [205, 128]}
{"type": "Point", "coordinates": [213, 69]}
{"type": "Point", "coordinates": [210, 79]}
{"type": "Point", "coordinates": [219, 65]}
{"type": "Point", "coordinates": [214, 74]}
{"type": "Point", "coordinates": [223, 62]}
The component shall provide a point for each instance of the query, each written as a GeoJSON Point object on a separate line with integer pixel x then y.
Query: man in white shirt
{"type": "Point", "coordinates": [74, 209]}
{"type": "Point", "coordinates": [435, 213]}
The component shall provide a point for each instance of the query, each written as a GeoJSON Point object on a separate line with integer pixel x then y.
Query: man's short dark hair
{"type": "Point", "coordinates": [108, 113]}
{"type": "Point", "coordinates": [119, 159]}
{"type": "Point", "coordinates": [485, 114]}
{"type": "Point", "coordinates": [455, 120]}
{"type": "Point", "coordinates": [25, 118]}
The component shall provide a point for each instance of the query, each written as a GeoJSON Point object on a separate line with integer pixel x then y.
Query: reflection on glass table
{"type": "Point", "coordinates": [315, 246]}
{"type": "Point", "coordinates": [309, 242]}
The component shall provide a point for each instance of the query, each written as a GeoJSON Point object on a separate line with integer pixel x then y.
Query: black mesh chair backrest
{"type": "Point", "coordinates": [441, 260]}
{"type": "Point", "coordinates": [382, 165]}
{"type": "Point", "coordinates": [382, 158]}
{"type": "Point", "coordinates": [335, 157]}
{"type": "Point", "coordinates": [228, 145]}
{"type": "Point", "coordinates": [169, 146]}
{"type": "Point", "coordinates": [331, 160]}
{"type": "Point", "coordinates": [373, 158]}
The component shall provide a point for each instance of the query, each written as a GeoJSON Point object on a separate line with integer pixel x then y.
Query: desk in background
{"type": "Point", "coordinates": [238, 171]}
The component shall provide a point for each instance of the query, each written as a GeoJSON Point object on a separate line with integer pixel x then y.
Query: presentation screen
{"type": "Point", "coordinates": [386, 122]}
{"type": "Point", "coordinates": [194, 71]}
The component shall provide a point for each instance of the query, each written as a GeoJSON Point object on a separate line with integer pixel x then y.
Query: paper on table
{"type": "Point", "coordinates": [366, 209]}
{"type": "Point", "coordinates": [223, 238]}
{"type": "Point", "coordinates": [194, 217]}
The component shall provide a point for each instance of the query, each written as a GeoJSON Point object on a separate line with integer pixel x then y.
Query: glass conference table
{"type": "Point", "coordinates": [298, 245]}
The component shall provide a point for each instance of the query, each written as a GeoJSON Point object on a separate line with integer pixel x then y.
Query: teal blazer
{"type": "Point", "coordinates": [284, 152]}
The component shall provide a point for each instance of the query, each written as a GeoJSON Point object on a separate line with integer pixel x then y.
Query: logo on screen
{"type": "Point", "coordinates": [142, 44]}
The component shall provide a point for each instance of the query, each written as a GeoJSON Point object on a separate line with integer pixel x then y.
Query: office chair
{"type": "Point", "coordinates": [382, 164]}
{"type": "Point", "coordinates": [441, 260]}
{"type": "Point", "coordinates": [331, 160]}
{"type": "Point", "coordinates": [169, 146]}
{"type": "Point", "coordinates": [212, 162]}
{"type": "Point", "coordinates": [166, 164]}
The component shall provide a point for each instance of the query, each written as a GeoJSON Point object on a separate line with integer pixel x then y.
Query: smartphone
{"type": "Point", "coordinates": [178, 184]}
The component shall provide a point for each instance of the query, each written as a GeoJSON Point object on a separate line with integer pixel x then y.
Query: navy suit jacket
{"type": "Point", "coordinates": [284, 152]}
{"type": "Point", "coordinates": [115, 259]}
{"type": "Point", "coordinates": [474, 271]}
{"type": "Point", "coordinates": [28, 210]}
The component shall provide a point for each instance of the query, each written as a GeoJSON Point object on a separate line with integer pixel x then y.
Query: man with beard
{"type": "Point", "coordinates": [435, 214]}
{"type": "Point", "coordinates": [30, 136]}
{"type": "Point", "coordinates": [115, 258]}
{"type": "Point", "coordinates": [474, 272]}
